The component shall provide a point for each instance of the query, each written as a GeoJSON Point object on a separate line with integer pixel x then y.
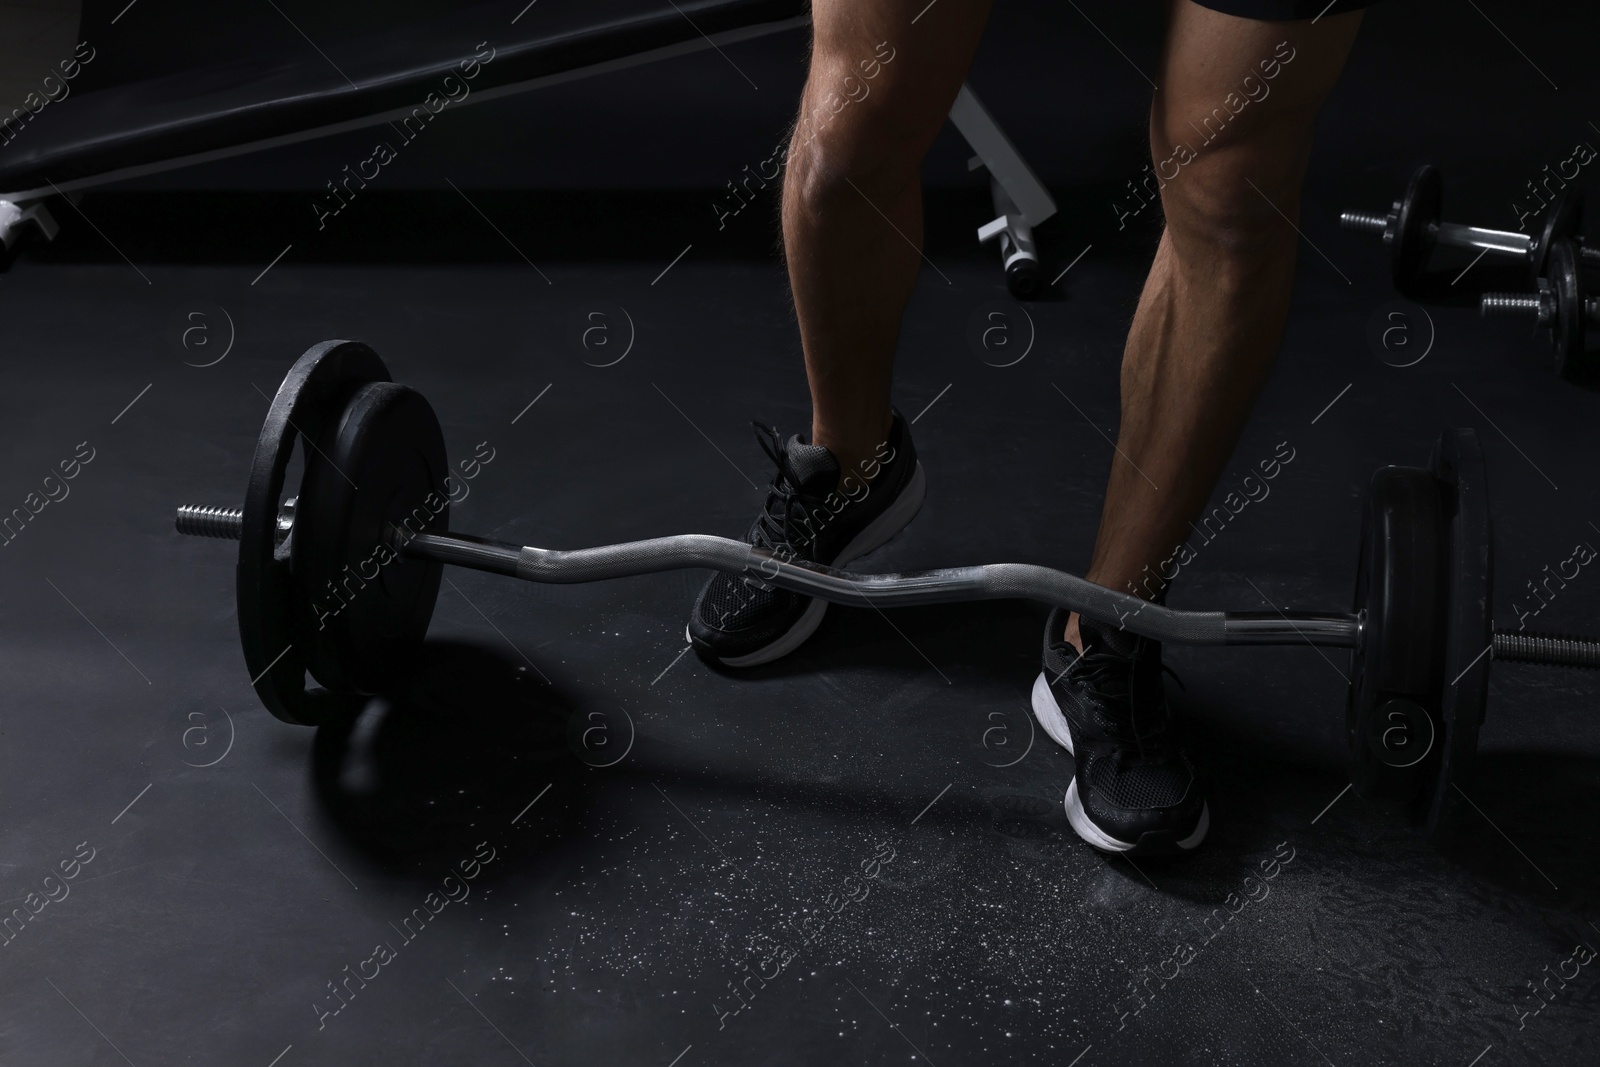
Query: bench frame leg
{"type": "Point", "coordinates": [1021, 201]}
{"type": "Point", "coordinates": [16, 219]}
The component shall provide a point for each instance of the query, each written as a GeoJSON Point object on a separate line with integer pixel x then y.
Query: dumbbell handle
{"type": "Point", "coordinates": [1536, 304]}
{"type": "Point", "coordinates": [1459, 236]}
{"type": "Point", "coordinates": [994, 581]}
{"type": "Point", "coordinates": [1446, 233]}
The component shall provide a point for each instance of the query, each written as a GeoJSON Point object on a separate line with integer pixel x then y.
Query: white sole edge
{"type": "Point", "coordinates": [878, 533]}
{"type": "Point", "coordinates": [1050, 716]}
{"type": "Point", "coordinates": [1048, 712]}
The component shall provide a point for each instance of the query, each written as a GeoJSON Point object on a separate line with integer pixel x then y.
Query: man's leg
{"type": "Point", "coordinates": [878, 92]}
{"type": "Point", "coordinates": [1212, 313]}
{"type": "Point", "coordinates": [883, 76]}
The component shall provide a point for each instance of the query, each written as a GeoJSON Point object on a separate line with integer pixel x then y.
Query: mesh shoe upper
{"type": "Point", "coordinates": [789, 523]}
{"type": "Point", "coordinates": [1132, 776]}
{"type": "Point", "coordinates": [805, 516]}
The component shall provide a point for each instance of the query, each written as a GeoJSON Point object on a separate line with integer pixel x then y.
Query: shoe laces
{"type": "Point", "coordinates": [1109, 676]}
{"type": "Point", "coordinates": [787, 509]}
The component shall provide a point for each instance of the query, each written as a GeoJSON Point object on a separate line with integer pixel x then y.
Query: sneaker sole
{"type": "Point", "coordinates": [878, 533]}
{"type": "Point", "coordinates": [1054, 721]}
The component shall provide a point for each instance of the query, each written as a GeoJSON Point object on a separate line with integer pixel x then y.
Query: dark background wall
{"type": "Point", "coordinates": [1432, 81]}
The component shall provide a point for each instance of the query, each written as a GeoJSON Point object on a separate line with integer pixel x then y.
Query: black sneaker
{"type": "Point", "coordinates": [1133, 790]}
{"type": "Point", "coordinates": [740, 621]}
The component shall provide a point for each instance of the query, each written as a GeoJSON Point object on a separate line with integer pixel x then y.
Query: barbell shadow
{"type": "Point", "coordinates": [1023, 802]}
{"type": "Point", "coordinates": [1533, 826]}
{"type": "Point", "coordinates": [451, 763]}
{"type": "Point", "coordinates": [429, 776]}
{"type": "Point", "coordinates": [1528, 823]}
{"type": "Point", "coordinates": [479, 736]}
{"type": "Point", "coordinates": [1586, 376]}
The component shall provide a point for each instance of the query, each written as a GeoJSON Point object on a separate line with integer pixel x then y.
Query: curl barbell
{"type": "Point", "coordinates": [338, 578]}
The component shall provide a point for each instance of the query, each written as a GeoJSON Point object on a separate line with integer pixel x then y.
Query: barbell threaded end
{"type": "Point", "coordinates": [201, 520]}
{"type": "Point", "coordinates": [1510, 304]}
{"type": "Point", "coordinates": [1550, 650]}
{"type": "Point", "coordinates": [1364, 222]}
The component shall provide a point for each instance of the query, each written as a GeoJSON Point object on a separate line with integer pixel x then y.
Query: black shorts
{"type": "Point", "coordinates": [1284, 10]}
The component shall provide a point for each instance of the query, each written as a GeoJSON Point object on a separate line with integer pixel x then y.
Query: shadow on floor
{"type": "Point", "coordinates": [1533, 826]}
{"type": "Point", "coordinates": [429, 775]}
{"type": "Point", "coordinates": [480, 736]}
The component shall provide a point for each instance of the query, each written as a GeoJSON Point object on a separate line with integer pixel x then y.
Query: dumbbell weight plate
{"type": "Point", "coordinates": [1416, 227]}
{"type": "Point", "coordinates": [307, 404]}
{"type": "Point", "coordinates": [1467, 614]}
{"type": "Point", "coordinates": [1564, 220]}
{"type": "Point", "coordinates": [1567, 333]}
{"type": "Point", "coordinates": [1395, 670]}
{"type": "Point", "coordinates": [362, 608]}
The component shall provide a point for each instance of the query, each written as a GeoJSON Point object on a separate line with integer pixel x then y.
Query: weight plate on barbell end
{"type": "Point", "coordinates": [1467, 619]}
{"type": "Point", "coordinates": [1563, 221]}
{"type": "Point", "coordinates": [1396, 668]}
{"type": "Point", "coordinates": [1402, 733]}
{"type": "Point", "coordinates": [1567, 332]}
{"type": "Point", "coordinates": [1416, 228]}
{"type": "Point", "coordinates": [307, 404]}
{"type": "Point", "coordinates": [362, 609]}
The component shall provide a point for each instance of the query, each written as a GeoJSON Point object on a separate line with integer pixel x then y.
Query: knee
{"type": "Point", "coordinates": [848, 160]}
{"type": "Point", "coordinates": [1231, 209]}
{"type": "Point", "coordinates": [869, 143]}
{"type": "Point", "coordinates": [1239, 197]}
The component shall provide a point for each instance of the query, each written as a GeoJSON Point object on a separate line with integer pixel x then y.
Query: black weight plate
{"type": "Point", "coordinates": [1562, 222]}
{"type": "Point", "coordinates": [312, 396]}
{"type": "Point", "coordinates": [1416, 228]}
{"type": "Point", "coordinates": [1396, 667]}
{"type": "Point", "coordinates": [364, 608]}
{"type": "Point", "coordinates": [1468, 609]}
{"type": "Point", "coordinates": [1567, 332]}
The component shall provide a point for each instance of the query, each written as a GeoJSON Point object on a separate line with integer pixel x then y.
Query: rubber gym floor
{"type": "Point", "coordinates": [579, 844]}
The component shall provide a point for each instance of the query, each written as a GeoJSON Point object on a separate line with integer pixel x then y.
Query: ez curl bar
{"type": "Point", "coordinates": [369, 508]}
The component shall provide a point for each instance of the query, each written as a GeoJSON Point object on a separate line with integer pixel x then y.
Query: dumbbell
{"type": "Point", "coordinates": [337, 577]}
{"type": "Point", "coordinates": [1412, 229]}
{"type": "Point", "coordinates": [1561, 305]}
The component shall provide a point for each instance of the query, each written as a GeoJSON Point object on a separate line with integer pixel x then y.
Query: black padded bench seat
{"type": "Point", "coordinates": [254, 103]}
